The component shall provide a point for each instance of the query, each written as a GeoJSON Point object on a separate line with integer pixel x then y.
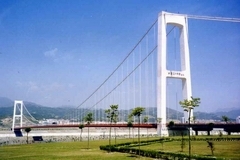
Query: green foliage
{"type": "Point", "coordinates": [128, 148]}
{"type": "Point", "coordinates": [62, 151]}
{"type": "Point", "coordinates": [81, 126]}
{"type": "Point", "coordinates": [112, 113]}
{"type": "Point", "coordinates": [225, 119]}
{"type": "Point", "coordinates": [130, 123]}
{"type": "Point", "coordinates": [88, 118]}
{"type": "Point", "coordinates": [171, 124]}
{"type": "Point", "coordinates": [112, 116]}
{"type": "Point", "coordinates": [137, 111]}
{"type": "Point", "coordinates": [189, 105]}
{"type": "Point", "coordinates": [145, 119]}
{"type": "Point", "coordinates": [27, 130]}
{"type": "Point", "coordinates": [227, 148]}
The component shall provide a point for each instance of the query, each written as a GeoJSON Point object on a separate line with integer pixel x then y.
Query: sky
{"type": "Point", "coordinates": [56, 53]}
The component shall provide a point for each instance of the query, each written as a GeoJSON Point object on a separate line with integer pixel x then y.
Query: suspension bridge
{"type": "Point", "coordinates": [155, 75]}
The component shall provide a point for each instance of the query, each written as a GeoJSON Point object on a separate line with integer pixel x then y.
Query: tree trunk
{"type": "Point", "coordinates": [139, 135]}
{"type": "Point", "coordinates": [189, 136]}
{"type": "Point", "coordinates": [27, 137]}
{"type": "Point", "coordinates": [81, 136]}
{"type": "Point", "coordinates": [147, 134]}
{"type": "Point", "coordinates": [133, 133]}
{"type": "Point", "coordinates": [115, 136]}
{"type": "Point", "coordinates": [110, 130]}
{"type": "Point", "coordinates": [88, 137]}
{"type": "Point", "coordinates": [129, 132]}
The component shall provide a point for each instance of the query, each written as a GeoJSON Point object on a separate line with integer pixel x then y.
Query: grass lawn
{"type": "Point", "coordinates": [78, 150]}
{"type": "Point", "coordinates": [63, 151]}
{"type": "Point", "coordinates": [223, 149]}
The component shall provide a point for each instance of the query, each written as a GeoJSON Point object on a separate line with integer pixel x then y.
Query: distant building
{"type": "Point", "coordinates": [238, 119]}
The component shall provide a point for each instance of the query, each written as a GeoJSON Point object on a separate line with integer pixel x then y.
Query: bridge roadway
{"type": "Point", "coordinates": [105, 125]}
{"type": "Point", "coordinates": [227, 127]}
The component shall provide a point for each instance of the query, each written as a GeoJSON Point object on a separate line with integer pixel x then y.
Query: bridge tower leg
{"type": "Point", "coordinates": [179, 21]}
{"type": "Point", "coordinates": [17, 113]}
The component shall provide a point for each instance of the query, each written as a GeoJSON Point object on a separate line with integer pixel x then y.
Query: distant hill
{"type": "Point", "coordinates": [43, 112]}
{"type": "Point", "coordinates": [233, 114]}
{"type": "Point", "coordinates": [5, 102]}
{"type": "Point", "coordinates": [207, 116]}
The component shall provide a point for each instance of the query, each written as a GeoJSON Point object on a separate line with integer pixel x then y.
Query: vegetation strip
{"type": "Point", "coordinates": [128, 148]}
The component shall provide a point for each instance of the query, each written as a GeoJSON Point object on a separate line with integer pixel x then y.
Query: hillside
{"type": "Point", "coordinates": [43, 112]}
{"type": "Point", "coordinates": [5, 102]}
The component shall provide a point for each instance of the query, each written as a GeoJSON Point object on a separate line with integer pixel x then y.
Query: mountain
{"type": "Point", "coordinates": [6, 102]}
{"type": "Point", "coordinates": [43, 112]}
{"type": "Point", "coordinates": [206, 116]}
{"type": "Point", "coordinates": [233, 114]}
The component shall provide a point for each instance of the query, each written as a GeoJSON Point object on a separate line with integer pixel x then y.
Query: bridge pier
{"type": "Point", "coordinates": [180, 22]}
{"type": "Point", "coordinates": [17, 113]}
{"type": "Point", "coordinates": [196, 132]}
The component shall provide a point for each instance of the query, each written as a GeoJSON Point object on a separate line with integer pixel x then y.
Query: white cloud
{"type": "Point", "coordinates": [51, 53]}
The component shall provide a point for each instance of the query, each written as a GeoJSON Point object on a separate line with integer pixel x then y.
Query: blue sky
{"type": "Point", "coordinates": [57, 52]}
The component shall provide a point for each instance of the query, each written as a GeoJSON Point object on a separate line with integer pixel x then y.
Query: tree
{"type": "Point", "coordinates": [112, 115]}
{"type": "Point", "coordinates": [211, 146]}
{"type": "Point", "coordinates": [225, 119]}
{"type": "Point", "coordinates": [129, 125]}
{"type": "Point", "coordinates": [27, 130]}
{"type": "Point", "coordinates": [88, 119]}
{"type": "Point", "coordinates": [188, 106]}
{"type": "Point", "coordinates": [182, 141]}
{"type": "Point", "coordinates": [81, 126]}
{"type": "Point", "coordinates": [138, 112]}
{"type": "Point", "coordinates": [145, 120]}
{"type": "Point", "coordinates": [171, 124]}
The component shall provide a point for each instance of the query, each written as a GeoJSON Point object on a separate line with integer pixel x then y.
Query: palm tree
{"type": "Point", "coordinates": [145, 120]}
{"type": "Point", "coordinates": [112, 115]}
{"type": "Point", "coordinates": [27, 130]}
{"type": "Point", "coordinates": [138, 112]}
{"type": "Point", "coordinates": [188, 106]}
{"type": "Point", "coordinates": [88, 118]}
{"type": "Point", "coordinates": [225, 119]}
{"type": "Point", "coordinates": [81, 126]}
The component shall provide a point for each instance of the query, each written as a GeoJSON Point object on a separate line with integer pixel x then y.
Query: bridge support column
{"type": "Point", "coordinates": [196, 132]}
{"type": "Point", "coordinates": [17, 113]}
{"type": "Point", "coordinates": [179, 21]}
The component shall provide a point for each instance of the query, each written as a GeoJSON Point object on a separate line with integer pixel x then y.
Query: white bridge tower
{"type": "Point", "coordinates": [179, 21]}
{"type": "Point", "coordinates": [17, 113]}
